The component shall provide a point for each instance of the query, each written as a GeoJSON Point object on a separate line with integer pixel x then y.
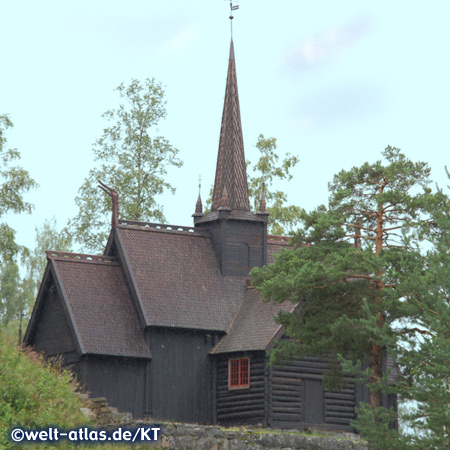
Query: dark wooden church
{"type": "Point", "coordinates": [166, 325]}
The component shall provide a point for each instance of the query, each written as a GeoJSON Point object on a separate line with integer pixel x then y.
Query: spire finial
{"type": "Point", "coordinates": [262, 203]}
{"type": "Point", "coordinates": [198, 205]}
{"type": "Point", "coordinates": [232, 8]}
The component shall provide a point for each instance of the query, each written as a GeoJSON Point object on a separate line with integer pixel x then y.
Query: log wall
{"type": "Point", "coordinates": [299, 399]}
{"type": "Point", "coordinates": [242, 406]}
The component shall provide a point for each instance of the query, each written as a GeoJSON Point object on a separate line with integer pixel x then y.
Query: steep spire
{"type": "Point", "coordinates": [198, 207]}
{"type": "Point", "coordinates": [231, 173]}
{"type": "Point", "coordinates": [262, 203]}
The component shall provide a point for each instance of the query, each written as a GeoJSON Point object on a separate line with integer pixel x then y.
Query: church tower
{"type": "Point", "coordinates": [239, 237]}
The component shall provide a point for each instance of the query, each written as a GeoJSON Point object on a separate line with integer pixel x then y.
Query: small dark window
{"type": "Point", "coordinates": [244, 255]}
{"type": "Point", "coordinates": [239, 373]}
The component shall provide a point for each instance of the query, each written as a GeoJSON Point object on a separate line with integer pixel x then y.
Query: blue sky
{"type": "Point", "coordinates": [334, 82]}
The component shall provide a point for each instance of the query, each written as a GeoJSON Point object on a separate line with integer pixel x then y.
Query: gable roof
{"type": "Point", "coordinates": [254, 327]}
{"type": "Point", "coordinates": [177, 277]}
{"type": "Point", "coordinates": [95, 296]}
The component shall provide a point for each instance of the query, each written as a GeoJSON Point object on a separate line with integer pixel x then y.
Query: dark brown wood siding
{"type": "Point", "coordinates": [180, 375]}
{"type": "Point", "coordinates": [298, 397]}
{"type": "Point", "coordinates": [52, 334]}
{"type": "Point", "coordinates": [241, 406]}
{"type": "Point", "coordinates": [238, 244]}
{"type": "Point", "coordinates": [120, 380]}
{"type": "Point", "coordinates": [286, 393]}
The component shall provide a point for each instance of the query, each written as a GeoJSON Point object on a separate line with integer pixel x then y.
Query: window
{"type": "Point", "coordinates": [239, 373]}
{"type": "Point", "coordinates": [244, 255]}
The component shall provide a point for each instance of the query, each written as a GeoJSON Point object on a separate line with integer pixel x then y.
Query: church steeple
{"type": "Point", "coordinates": [231, 173]}
{"type": "Point", "coordinates": [238, 236]}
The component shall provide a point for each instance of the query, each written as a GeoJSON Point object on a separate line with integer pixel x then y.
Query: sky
{"type": "Point", "coordinates": [334, 82]}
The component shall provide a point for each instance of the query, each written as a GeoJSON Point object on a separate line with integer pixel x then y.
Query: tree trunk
{"type": "Point", "coordinates": [20, 327]}
{"type": "Point", "coordinates": [376, 367]}
{"type": "Point", "coordinates": [376, 352]}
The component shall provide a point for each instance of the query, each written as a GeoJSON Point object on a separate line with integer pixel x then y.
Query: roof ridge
{"type": "Point", "coordinates": [162, 227]}
{"type": "Point", "coordinates": [81, 257]}
{"type": "Point", "coordinates": [278, 240]}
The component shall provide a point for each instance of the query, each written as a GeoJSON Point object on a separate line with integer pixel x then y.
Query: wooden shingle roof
{"type": "Point", "coordinates": [177, 279]}
{"type": "Point", "coordinates": [98, 304]}
{"type": "Point", "coordinates": [231, 175]}
{"type": "Point", "coordinates": [177, 282]}
{"type": "Point", "coordinates": [254, 327]}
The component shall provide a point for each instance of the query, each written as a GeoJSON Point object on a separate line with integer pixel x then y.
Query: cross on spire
{"type": "Point", "coordinates": [198, 205]}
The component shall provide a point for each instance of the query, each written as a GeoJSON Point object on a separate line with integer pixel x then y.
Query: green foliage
{"type": "Point", "coordinates": [132, 161]}
{"type": "Point", "coordinates": [373, 423]}
{"type": "Point", "coordinates": [424, 354]}
{"type": "Point", "coordinates": [48, 237]}
{"type": "Point", "coordinates": [13, 296]}
{"type": "Point", "coordinates": [266, 172]}
{"type": "Point", "coordinates": [18, 295]}
{"type": "Point", "coordinates": [14, 183]}
{"type": "Point", "coordinates": [369, 299]}
{"type": "Point", "coordinates": [34, 394]}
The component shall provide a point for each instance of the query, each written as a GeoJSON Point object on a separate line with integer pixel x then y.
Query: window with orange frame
{"type": "Point", "coordinates": [239, 373]}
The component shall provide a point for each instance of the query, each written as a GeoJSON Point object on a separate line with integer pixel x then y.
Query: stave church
{"type": "Point", "coordinates": [166, 325]}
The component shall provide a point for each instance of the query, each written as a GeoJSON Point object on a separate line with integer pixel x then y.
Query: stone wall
{"type": "Point", "coordinates": [179, 436]}
{"type": "Point", "coordinates": [195, 437]}
{"type": "Point", "coordinates": [98, 411]}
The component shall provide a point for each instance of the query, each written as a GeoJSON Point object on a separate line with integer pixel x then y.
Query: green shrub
{"type": "Point", "coordinates": [34, 394]}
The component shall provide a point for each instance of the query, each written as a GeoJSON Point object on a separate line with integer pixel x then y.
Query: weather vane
{"type": "Point", "coordinates": [232, 8]}
{"type": "Point", "coordinates": [199, 184]}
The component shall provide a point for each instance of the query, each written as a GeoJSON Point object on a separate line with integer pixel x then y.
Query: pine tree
{"type": "Point", "coordinates": [353, 271]}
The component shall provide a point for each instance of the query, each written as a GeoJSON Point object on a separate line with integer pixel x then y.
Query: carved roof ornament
{"type": "Point", "coordinates": [231, 168]}
{"type": "Point", "coordinates": [115, 203]}
{"type": "Point", "coordinates": [262, 202]}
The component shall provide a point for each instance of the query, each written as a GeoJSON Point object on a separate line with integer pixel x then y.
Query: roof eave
{"type": "Point", "coordinates": [130, 279]}
{"type": "Point", "coordinates": [37, 305]}
{"type": "Point", "coordinates": [51, 271]}
{"type": "Point", "coordinates": [68, 311]}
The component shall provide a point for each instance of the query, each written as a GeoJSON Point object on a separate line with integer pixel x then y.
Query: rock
{"type": "Point", "coordinates": [88, 413]}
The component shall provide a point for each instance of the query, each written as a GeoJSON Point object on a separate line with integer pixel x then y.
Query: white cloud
{"type": "Point", "coordinates": [180, 40]}
{"type": "Point", "coordinates": [322, 48]}
{"type": "Point", "coordinates": [338, 103]}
